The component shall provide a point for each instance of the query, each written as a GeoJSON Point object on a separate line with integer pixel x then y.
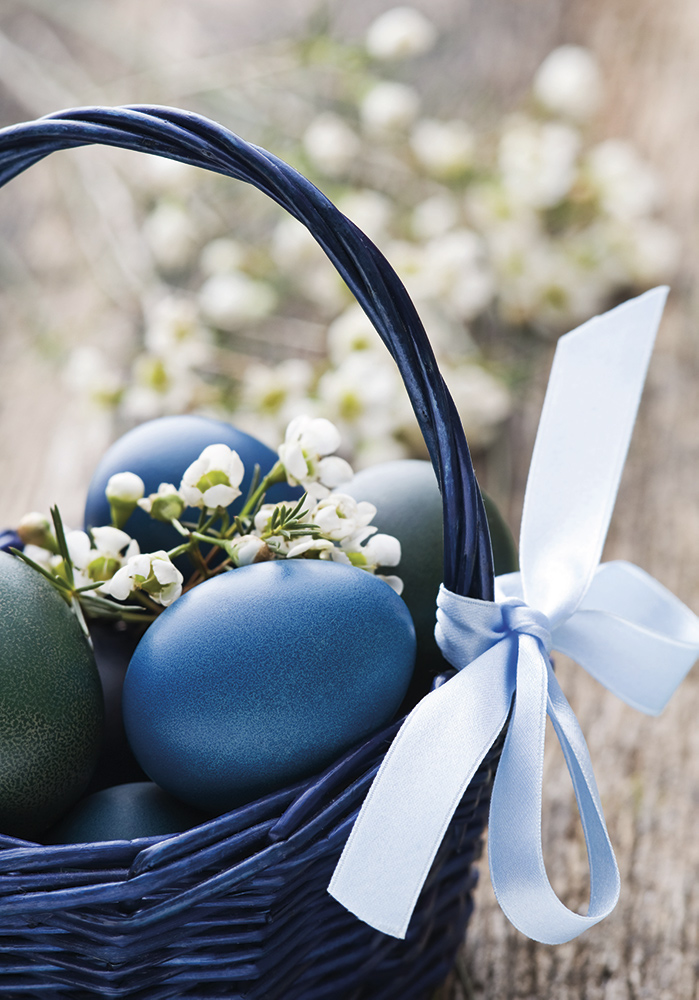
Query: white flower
{"type": "Point", "coordinates": [389, 107]}
{"type": "Point", "coordinates": [400, 32]}
{"type": "Point", "coordinates": [112, 547]}
{"type": "Point", "coordinates": [171, 236]}
{"type": "Point", "coordinates": [568, 82]}
{"type": "Point", "coordinates": [455, 270]}
{"type": "Point", "coordinates": [483, 401]}
{"type": "Point", "coordinates": [627, 187]}
{"type": "Point", "coordinates": [537, 162]}
{"type": "Point", "coordinates": [36, 529]}
{"type": "Point", "coordinates": [153, 573]}
{"type": "Point", "coordinates": [379, 550]}
{"type": "Point", "coordinates": [331, 144]}
{"type": "Point", "coordinates": [221, 255]}
{"type": "Point", "coordinates": [213, 479]}
{"type": "Point", "coordinates": [165, 505]}
{"type": "Point", "coordinates": [174, 333]}
{"type": "Point", "coordinates": [435, 215]}
{"type": "Point", "coordinates": [89, 372]}
{"type": "Point", "coordinates": [268, 390]}
{"type": "Point", "coordinates": [247, 549]}
{"type": "Point", "coordinates": [351, 331]}
{"type": "Point", "coordinates": [307, 456]}
{"type": "Point", "coordinates": [125, 487]}
{"type": "Point", "coordinates": [232, 299]}
{"type": "Point", "coordinates": [444, 149]}
{"type": "Point", "coordinates": [307, 544]}
{"type": "Point", "coordinates": [369, 210]}
{"type": "Point", "coordinates": [339, 516]}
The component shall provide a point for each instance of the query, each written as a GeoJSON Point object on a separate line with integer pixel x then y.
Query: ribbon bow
{"type": "Point", "coordinates": [615, 620]}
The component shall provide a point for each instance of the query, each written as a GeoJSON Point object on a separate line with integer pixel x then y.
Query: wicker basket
{"type": "Point", "coordinates": [237, 907]}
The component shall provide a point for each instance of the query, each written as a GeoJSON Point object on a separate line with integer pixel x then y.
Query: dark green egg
{"type": "Point", "coordinates": [124, 812]}
{"type": "Point", "coordinates": [409, 506]}
{"type": "Point", "coordinates": [50, 703]}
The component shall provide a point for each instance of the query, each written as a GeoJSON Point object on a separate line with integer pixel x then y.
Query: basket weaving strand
{"type": "Point", "coordinates": [238, 907]}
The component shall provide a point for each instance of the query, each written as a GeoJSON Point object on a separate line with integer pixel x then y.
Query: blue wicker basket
{"type": "Point", "coordinates": [238, 907]}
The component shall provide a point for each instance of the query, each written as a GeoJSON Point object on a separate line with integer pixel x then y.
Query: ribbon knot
{"type": "Point", "coordinates": [617, 622]}
{"type": "Point", "coordinates": [518, 616]}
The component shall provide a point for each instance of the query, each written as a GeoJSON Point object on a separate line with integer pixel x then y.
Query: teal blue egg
{"type": "Point", "coordinates": [409, 506]}
{"type": "Point", "coordinates": [263, 676]}
{"type": "Point", "coordinates": [124, 812]}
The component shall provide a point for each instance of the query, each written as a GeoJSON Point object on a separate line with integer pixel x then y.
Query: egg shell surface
{"type": "Point", "coordinates": [159, 451]}
{"type": "Point", "coordinates": [124, 812]}
{"type": "Point", "coordinates": [51, 708]}
{"type": "Point", "coordinates": [262, 676]}
{"type": "Point", "coordinates": [409, 505]}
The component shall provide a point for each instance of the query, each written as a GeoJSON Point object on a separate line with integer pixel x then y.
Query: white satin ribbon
{"type": "Point", "coordinates": [626, 629]}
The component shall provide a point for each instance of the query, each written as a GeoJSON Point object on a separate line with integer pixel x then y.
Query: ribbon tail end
{"type": "Point", "coordinates": [385, 927]}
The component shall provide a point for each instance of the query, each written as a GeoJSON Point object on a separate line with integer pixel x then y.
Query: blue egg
{"type": "Point", "coordinates": [159, 451]}
{"type": "Point", "coordinates": [262, 676]}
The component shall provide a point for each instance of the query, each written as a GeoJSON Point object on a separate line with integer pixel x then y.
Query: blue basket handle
{"type": "Point", "coordinates": [192, 139]}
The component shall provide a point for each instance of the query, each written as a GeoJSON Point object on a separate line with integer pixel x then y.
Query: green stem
{"type": "Point", "coordinates": [277, 474]}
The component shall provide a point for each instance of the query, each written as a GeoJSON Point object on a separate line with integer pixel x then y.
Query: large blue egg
{"type": "Point", "coordinates": [262, 676]}
{"type": "Point", "coordinates": [159, 451]}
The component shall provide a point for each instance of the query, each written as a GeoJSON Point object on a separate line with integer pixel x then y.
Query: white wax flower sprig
{"type": "Point", "coordinates": [98, 571]}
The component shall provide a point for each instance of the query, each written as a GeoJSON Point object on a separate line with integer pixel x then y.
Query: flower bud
{"type": "Point", "coordinates": [123, 492]}
{"type": "Point", "coordinates": [165, 505]}
{"type": "Point", "coordinates": [247, 549]}
{"type": "Point", "coordinates": [35, 529]}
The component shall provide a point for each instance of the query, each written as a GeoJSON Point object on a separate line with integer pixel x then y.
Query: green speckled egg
{"type": "Point", "coordinates": [51, 705]}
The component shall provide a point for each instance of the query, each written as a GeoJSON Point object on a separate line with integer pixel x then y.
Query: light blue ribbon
{"type": "Point", "coordinates": [626, 629]}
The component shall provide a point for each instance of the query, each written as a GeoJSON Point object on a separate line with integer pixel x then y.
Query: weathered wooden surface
{"type": "Point", "coordinates": [647, 769]}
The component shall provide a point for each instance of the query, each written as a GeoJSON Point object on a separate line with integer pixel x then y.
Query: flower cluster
{"type": "Point", "coordinates": [97, 572]}
{"type": "Point", "coordinates": [524, 227]}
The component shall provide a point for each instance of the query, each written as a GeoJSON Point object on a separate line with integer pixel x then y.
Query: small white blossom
{"type": "Point", "coordinates": [339, 516]}
{"type": "Point", "coordinates": [174, 332]}
{"type": "Point", "coordinates": [389, 107]}
{"type": "Point", "coordinates": [36, 529]}
{"type": "Point", "coordinates": [379, 550]}
{"type": "Point", "coordinates": [307, 456]}
{"type": "Point", "coordinates": [230, 300]}
{"type": "Point", "coordinates": [153, 573]}
{"type": "Point", "coordinates": [112, 548]}
{"type": "Point", "coordinates": [125, 487]}
{"type": "Point", "coordinates": [399, 33]}
{"type": "Point", "coordinates": [369, 210]}
{"type": "Point", "coordinates": [444, 149]}
{"type": "Point", "coordinates": [247, 549]}
{"type": "Point", "coordinates": [627, 187]}
{"type": "Point", "coordinates": [171, 235]}
{"type": "Point", "coordinates": [435, 216]}
{"type": "Point", "coordinates": [221, 255]}
{"type": "Point", "coordinates": [213, 479]}
{"type": "Point", "coordinates": [331, 144]}
{"type": "Point", "coordinates": [90, 372]}
{"type": "Point", "coordinates": [538, 161]}
{"type": "Point", "coordinates": [165, 505]}
{"type": "Point", "coordinates": [351, 331]}
{"type": "Point", "coordinates": [568, 82]}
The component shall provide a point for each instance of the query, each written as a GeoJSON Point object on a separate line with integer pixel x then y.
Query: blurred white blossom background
{"type": "Point", "coordinates": [507, 229]}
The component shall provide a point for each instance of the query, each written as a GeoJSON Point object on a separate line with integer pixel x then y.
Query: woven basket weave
{"type": "Point", "coordinates": [237, 907]}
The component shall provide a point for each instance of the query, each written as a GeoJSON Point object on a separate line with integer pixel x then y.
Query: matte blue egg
{"type": "Point", "coordinates": [159, 451]}
{"type": "Point", "coordinates": [262, 676]}
{"type": "Point", "coordinates": [124, 812]}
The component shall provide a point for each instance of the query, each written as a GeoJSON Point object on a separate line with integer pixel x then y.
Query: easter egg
{"type": "Point", "coordinates": [409, 506]}
{"type": "Point", "coordinates": [124, 812]}
{"type": "Point", "coordinates": [50, 703]}
{"type": "Point", "coordinates": [159, 451]}
{"type": "Point", "coordinates": [262, 676]}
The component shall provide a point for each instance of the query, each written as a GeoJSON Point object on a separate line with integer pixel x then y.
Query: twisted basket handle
{"type": "Point", "coordinates": [196, 140]}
